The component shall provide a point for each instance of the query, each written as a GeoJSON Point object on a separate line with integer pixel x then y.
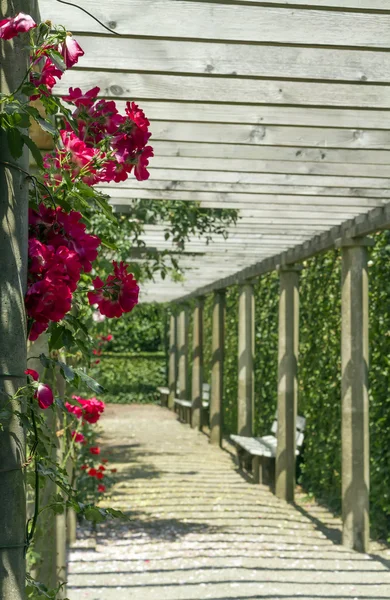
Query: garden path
{"type": "Point", "coordinates": [200, 530]}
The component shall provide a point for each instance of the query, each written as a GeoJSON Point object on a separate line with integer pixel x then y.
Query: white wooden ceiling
{"type": "Point", "coordinates": [279, 109]}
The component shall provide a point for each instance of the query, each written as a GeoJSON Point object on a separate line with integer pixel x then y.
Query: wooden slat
{"type": "Point", "coordinates": [171, 178]}
{"type": "Point", "coordinates": [173, 56]}
{"type": "Point", "coordinates": [263, 115]}
{"type": "Point", "coordinates": [216, 89]}
{"type": "Point", "coordinates": [248, 152]}
{"type": "Point", "coordinates": [380, 5]}
{"type": "Point", "coordinates": [180, 163]}
{"type": "Point", "coordinates": [270, 135]}
{"type": "Point", "coordinates": [121, 196]}
{"type": "Point", "coordinates": [203, 20]}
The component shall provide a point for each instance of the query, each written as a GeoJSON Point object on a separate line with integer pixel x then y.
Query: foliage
{"type": "Point", "coordinates": [132, 379]}
{"type": "Point", "coordinates": [139, 331]}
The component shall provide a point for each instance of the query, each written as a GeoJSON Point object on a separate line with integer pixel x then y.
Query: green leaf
{"type": "Point", "coordinates": [67, 371]}
{"type": "Point", "coordinates": [34, 150]}
{"type": "Point", "coordinates": [91, 383]}
{"type": "Point", "coordinates": [92, 513]}
{"type": "Point", "coordinates": [57, 59]}
{"type": "Point", "coordinates": [15, 142]}
{"type": "Point", "coordinates": [56, 334]}
{"type": "Point", "coordinates": [106, 209]}
{"type": "Point", "coordinates": [28, 89]}
{"type": "Point", "coordinates": [46, 126]}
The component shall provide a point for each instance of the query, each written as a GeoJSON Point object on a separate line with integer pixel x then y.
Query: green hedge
{"type": "Point", "coordinates": [131, 379]}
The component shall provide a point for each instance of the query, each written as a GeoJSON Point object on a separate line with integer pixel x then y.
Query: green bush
{"type": "Point", "coordinates": [130, 379]}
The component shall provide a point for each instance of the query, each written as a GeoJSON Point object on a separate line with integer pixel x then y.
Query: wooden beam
{"type": "Point", "coordinates": [211, 21]}
{"type": "Point", "coordinates": [226, 89]}
{"type": "Point", "coordinates": [285, 62]}
{"type": "Point", "coordinates": [251, 152]}
{"type": "Point", "coordinates": [171, 179]}
{"type": "Point", "coordinates": [375, 220]}
{"type": "Point", "coordinates": [251, 114]}
{"type": "Point", "coordinates": [122, 197]}
{"type": "Point", "coordinates": [183, 163]}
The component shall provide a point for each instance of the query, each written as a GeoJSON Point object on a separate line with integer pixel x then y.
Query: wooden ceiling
{"type": "Point", "coordinates": [279, 109]}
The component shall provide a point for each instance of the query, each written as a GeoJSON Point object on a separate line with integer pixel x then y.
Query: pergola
{"type": "Point", "coordinates": [278, 109]}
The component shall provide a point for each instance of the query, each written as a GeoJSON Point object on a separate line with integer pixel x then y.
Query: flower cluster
{"type": "Point", "coordinates": [59, 250]}
{"type": "Point", "coordinates": [118, 295]}
{"type": "Point", "coordinates": [43, 392]}
{"type": "Point", "coordinates": [101, 146]}
{"type": "Point", "coordinates": [89, 410]}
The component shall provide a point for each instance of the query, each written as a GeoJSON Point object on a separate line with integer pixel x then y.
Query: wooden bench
{"type": "Point", "coordinates": [261, 451]}
{"type": "Point", "coordinates": [184, 407]}
{"type": "Point", "coordinates": [164, 395]}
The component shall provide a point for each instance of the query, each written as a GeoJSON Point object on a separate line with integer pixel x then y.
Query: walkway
{"type": "Point", "coordinates": [199, 530]}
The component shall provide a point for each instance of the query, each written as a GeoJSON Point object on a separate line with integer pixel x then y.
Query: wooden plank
{"type": "Point", "coordinates": [175, 56]}
{"type": "Point", "coordinates": [203, 20]}
{"type": "Point", "coordinates": [214, 89]}
{"type": "Point", "coordinates": [376, 219]}
{"type": "Point", "coordinates": [250, 152]}
{"type": "Point", "coordinates": [263, 115]}
{"type": "Point", "coordinates": [122, 196]}
{"type": "Point", "coordinates": [271, 135]}
{"type": "Point", "coordinates": [380, 5]}
{"type": "Point", "coordinates": [171, 179]}
{"type": "Point", "coordinates": [180, 163]}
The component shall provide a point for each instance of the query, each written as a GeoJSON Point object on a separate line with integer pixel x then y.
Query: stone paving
{"type": "Point", "coordinates": [199, 530]}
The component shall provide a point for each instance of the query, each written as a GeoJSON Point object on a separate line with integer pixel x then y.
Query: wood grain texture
{"type": "Point", "coordinates": [239, 166]}
{"type": "Point", "coordinates": [121, 196]}
{"type": "Point", "coordinates": [203, 20]}
{"type": "Point", "coordinates": [176, 56]}
{"type": "Point", "coordinates": [248, 152]}
{"type": "Point", "coordinates": [263, 115]}
{"type": "Point", "coordinates": [170, 178]}
{"type": "Point", "coordinates": [146, 86]}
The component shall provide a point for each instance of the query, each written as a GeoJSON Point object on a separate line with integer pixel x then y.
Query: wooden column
{"type": "Point", "coordinates": [182, 342]}
{"type": "Point", "coordinates": [172, 376]}
{"type": "Point", "coordinates": [354, 389]}
{"type": "Point", "coordinates": [287, 382]}
{"type": "Point", "coordinates": [13, 332]}
{"type": "Point", "coordinates": [246, 350]}
{"type": "Point", "coordinates": [218, 342]}
{"type": "Point", "coordinates": [197, 365]}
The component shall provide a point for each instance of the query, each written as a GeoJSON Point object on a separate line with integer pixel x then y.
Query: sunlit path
{"type": "Point", "coordinates": [199, 530]}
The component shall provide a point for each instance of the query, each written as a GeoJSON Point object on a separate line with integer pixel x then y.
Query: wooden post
{"type": "Point", "coordinates": [246, 350]}
{"type": "Point", "coordinates": [197, 365]}
{"type": "Point", "coordinates": [287, 382]}
{"type": "Point", "coordinates": [354, 390]}
{"type": "Point", "coordinates": [13, 332]}
{"type": "Point", "coordinates": [182, 342]}
{"type": "Point", "coordinates": [172, 360]}
{"type": "Point", "coordinates": [218, 342]}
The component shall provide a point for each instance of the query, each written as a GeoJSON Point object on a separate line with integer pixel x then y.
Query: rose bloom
{"type": "Point", "coordinates": [11, 27]}
{"type": "Point", "coordinates": [78, 437]}
{"type": "Point", "coordinates": [94, 450]}
{"type": "Point", "coordinates": [92, 472]}
{"type": "Point", "coordinates": [99, 475]}
{"type": "Point", "coordinates": [101, 488]}
{"type": "Point", "coordinates": [118, 295]}
{"type": "Point", "coordinates": [44, 394]}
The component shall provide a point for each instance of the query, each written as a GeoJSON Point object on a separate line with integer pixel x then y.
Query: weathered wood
{"type": "Point", "coordinates": [218, 89]}
{"type": "Point", "coordinates": [217, 367]}
{"type": "Point", "coordinates": [287, 383]}
{"type": "Point", "coordinates": [197, 365]}
{"type": "Point", "coordinates": [207, 20]}
{"type": "Point", "coordinates": [354, 384]}
{"type": "Point", "coordinates": [248, 152]}
{"type": "Point", "coordinates": [178, 56]}
{"type": "Point", "coordinates": [13, 328]}
{"type": "Point", "coordinates": [240, 166]}
{"type": "Point", "coordinates": [375, 220]}
{"type": "Point", "coordinates": [182, 342]}
{"type": "Point", "coordinates": [172, 359]}
{"type": "Point", "coordinates": [246, 350]}
{"type": "Point", "coordinates": [251, 114]}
